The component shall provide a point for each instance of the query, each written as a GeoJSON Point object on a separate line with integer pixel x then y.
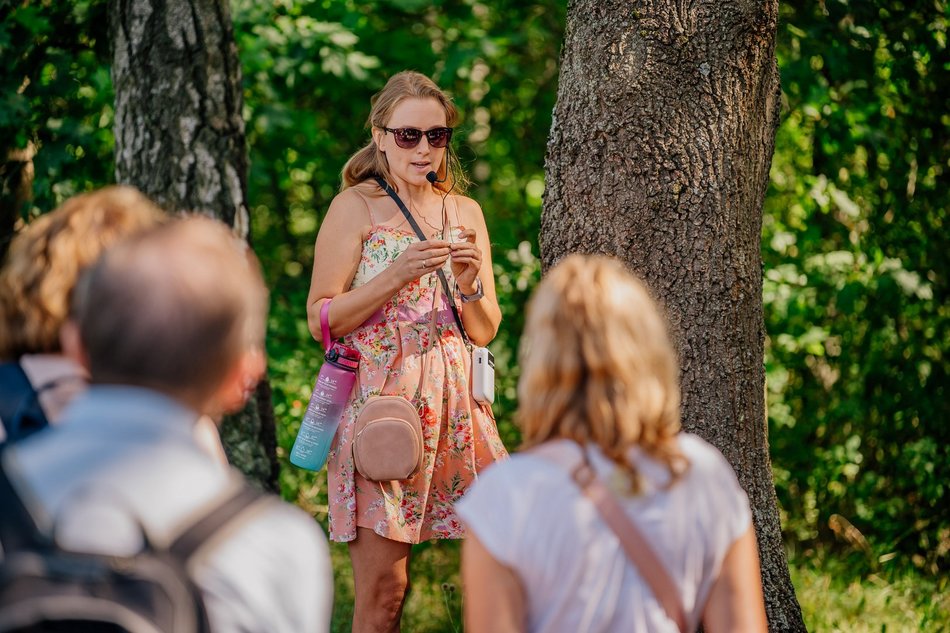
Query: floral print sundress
{"type": "Point", "coordinates": [459, 434]}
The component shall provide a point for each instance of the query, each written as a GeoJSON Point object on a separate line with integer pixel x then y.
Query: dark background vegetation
{"type": "Point", "coordinates": [855, 243]}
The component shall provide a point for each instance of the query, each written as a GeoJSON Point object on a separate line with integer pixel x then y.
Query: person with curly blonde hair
{"type": "Point", "coordinates": [599, 393]}
{"type": "Point", "coordinates": [36, 283]}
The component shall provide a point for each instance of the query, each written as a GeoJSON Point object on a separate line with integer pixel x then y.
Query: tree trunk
{"type": "Point", "coordinates": [659, 154]}
{"type": "Point", "coordinates": [16, 189]}
{"type": "Point", "coordinates": [179, 136]}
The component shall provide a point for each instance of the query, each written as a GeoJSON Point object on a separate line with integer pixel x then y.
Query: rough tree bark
{"type": "Point", "coordinates": [16, 189]}
{"type": "Point", "coordinates": [179, 136]}
{"type": "Point", "coordinates": [659, 154]}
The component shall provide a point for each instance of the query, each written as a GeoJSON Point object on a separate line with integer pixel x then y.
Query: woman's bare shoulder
{"type": "Point", "coordinates": [355, 193]}
{"type": "Point", "coordinates": [368, 189]}
{"type": "Point", "coordinates": [466, 205]}
{"type": "Point", "coordinates": [355, 199]}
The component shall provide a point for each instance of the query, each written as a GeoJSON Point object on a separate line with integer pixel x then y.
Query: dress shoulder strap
{"type": "Point", "coordinates": [369, 209]}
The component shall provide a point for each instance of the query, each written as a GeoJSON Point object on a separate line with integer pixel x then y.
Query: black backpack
{"type": "Point", "coordinates": [44, 588]}
{"type": "Point", "coordinates": [20, 410]}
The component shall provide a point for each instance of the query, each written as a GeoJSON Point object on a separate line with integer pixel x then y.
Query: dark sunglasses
{"type": "Point", "coordinates": [409, 137]}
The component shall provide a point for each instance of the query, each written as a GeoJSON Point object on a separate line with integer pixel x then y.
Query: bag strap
{"type": "Point", "coordinates": [433, 317]}
{"type": "Point", "coordinates": [424, 370]}
{"type": "Point", "coordinates": [634, 544]}
{"type": "Point", "coordinates": [20, 410]}
{"type": "Point", "coordinates": [18, 529]}
{"type": "Point", "coordinates": [201, 530]}
{"type": "Point", "coordinates": [325, 324]}
{"type": "Point", "coordinates": [422, 237]}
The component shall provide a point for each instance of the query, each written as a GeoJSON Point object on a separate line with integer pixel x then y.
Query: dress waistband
{"type": "Point", "coordinates": [443, 317]}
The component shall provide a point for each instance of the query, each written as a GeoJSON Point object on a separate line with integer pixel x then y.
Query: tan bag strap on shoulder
{"type": "Point", "coordinates": [634, 544]}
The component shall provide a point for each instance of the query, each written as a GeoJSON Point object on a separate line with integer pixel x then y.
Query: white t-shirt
{"type": "Point", "coordinates": [531, 516]}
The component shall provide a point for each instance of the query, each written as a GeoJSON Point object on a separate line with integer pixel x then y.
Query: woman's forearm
{"type": "Point", "coordinates": [352, 308]}
{"type": "Point", "coordinates": [481, 320]}
{"type": "Point", "coordinates": [495, 598]}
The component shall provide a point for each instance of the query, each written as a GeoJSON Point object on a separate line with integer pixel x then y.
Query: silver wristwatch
{"type": "Point", "coordinates": [475, 296]}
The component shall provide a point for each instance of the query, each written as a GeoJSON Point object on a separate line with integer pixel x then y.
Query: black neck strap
{"type": "Point", "coordinates": [422, 237]}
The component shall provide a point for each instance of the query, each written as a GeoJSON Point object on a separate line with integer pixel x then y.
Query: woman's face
{"type": "Point", "coordinates": [412, 165]}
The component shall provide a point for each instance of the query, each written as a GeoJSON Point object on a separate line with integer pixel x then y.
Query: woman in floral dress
{"type": "Point", "coordinates": [382, 281]}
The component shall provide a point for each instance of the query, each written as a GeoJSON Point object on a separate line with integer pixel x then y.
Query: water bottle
{"type": "Point", "coordinates": [325, 410]}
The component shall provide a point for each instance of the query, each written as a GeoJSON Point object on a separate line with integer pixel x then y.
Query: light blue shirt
{"type": "Point", "coordinates": [125, 457]}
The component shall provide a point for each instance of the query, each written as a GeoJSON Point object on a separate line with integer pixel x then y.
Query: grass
{"type": "Point", "coordinates": [833, 596]}
{"type": "Point", "coordinates": [435, 600]}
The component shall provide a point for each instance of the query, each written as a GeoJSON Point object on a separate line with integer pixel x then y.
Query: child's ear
{"type": "Point", "coordinates": [71, 343]}
{"type": "Point", "coordinates": [239, 384]}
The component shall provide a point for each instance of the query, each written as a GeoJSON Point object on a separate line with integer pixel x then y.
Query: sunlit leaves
{"type": "Point", "coordinates": [855, 264]}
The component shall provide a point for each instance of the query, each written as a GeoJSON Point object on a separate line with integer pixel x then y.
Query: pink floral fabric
{"type": "Point", "coordinates": [460, 435]}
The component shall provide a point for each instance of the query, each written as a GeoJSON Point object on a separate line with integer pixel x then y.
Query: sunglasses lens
{"type": "Point", "coordinates": [407, 137]}
{"type": "Point", "coordinates": [439, 137]}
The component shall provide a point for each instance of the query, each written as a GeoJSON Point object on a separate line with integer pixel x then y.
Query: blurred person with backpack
{"type": "Point", "coordinates": [612, 520]}
{"type": "Point", "coordinates": [36, 282]}
{"type": "Point", "coordinates": [125, 504]}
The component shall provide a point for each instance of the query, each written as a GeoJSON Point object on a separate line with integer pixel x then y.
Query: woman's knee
{"type": "Point", "coordinates": [384, 597]}
{"type": "Point", "coordinates": [390, 588]}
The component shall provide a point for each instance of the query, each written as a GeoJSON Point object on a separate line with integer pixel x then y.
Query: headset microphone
{"type": "Point", "coordinates": [433, 178]}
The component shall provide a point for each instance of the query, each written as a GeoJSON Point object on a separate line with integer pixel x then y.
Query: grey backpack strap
{"type": "Point", "coordinates": [194, 536]}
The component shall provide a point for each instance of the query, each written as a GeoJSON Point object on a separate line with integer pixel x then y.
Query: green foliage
{"type": "Point", "coordinates": [56, 96]}
{"type": "Point", "coordinates": [856, 283]}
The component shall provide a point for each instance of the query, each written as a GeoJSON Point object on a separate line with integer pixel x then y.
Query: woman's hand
{"type": "Point", "coordinates": [419, 259]}
{"type": "Point", "coordinates": [466, 260]}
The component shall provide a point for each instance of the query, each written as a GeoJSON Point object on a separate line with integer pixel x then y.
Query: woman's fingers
{"type": "Point", "coordinates": [467, 235]}
{"type": "Point", "coordinates": [431, 245]}
{"type": "Point", "coordinates": [431, 263]}
{"type": "Point", "coordinates": [466, 251]}
{"type": "Point", "coordinates": [424, 257]}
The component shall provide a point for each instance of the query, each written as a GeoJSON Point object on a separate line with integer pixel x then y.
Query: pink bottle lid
{"type": "Point", "coordinates": [337, 353]}
{"type": "Point", "coordinates": [344, 356]}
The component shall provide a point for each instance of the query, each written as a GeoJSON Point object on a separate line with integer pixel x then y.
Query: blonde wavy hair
{"type": "Point", "coordinates": [370, 161]}
{"type": "Point", "coordinates": [47, 256]}
{"type": "Point", "coordinates": [598, 366]}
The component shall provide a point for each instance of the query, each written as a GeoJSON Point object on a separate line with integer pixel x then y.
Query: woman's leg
{"type": "Point", "coordinates": [381, 577]}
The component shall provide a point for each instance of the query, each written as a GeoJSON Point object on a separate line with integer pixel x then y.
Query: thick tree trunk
{"type": "Point", "coordinates": [659, 154]}
{"type": "Point", "coordinates": [179, 136]}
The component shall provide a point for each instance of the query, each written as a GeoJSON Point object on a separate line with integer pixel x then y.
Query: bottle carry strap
{"type": "Point", "coordinates": [325, 324]}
